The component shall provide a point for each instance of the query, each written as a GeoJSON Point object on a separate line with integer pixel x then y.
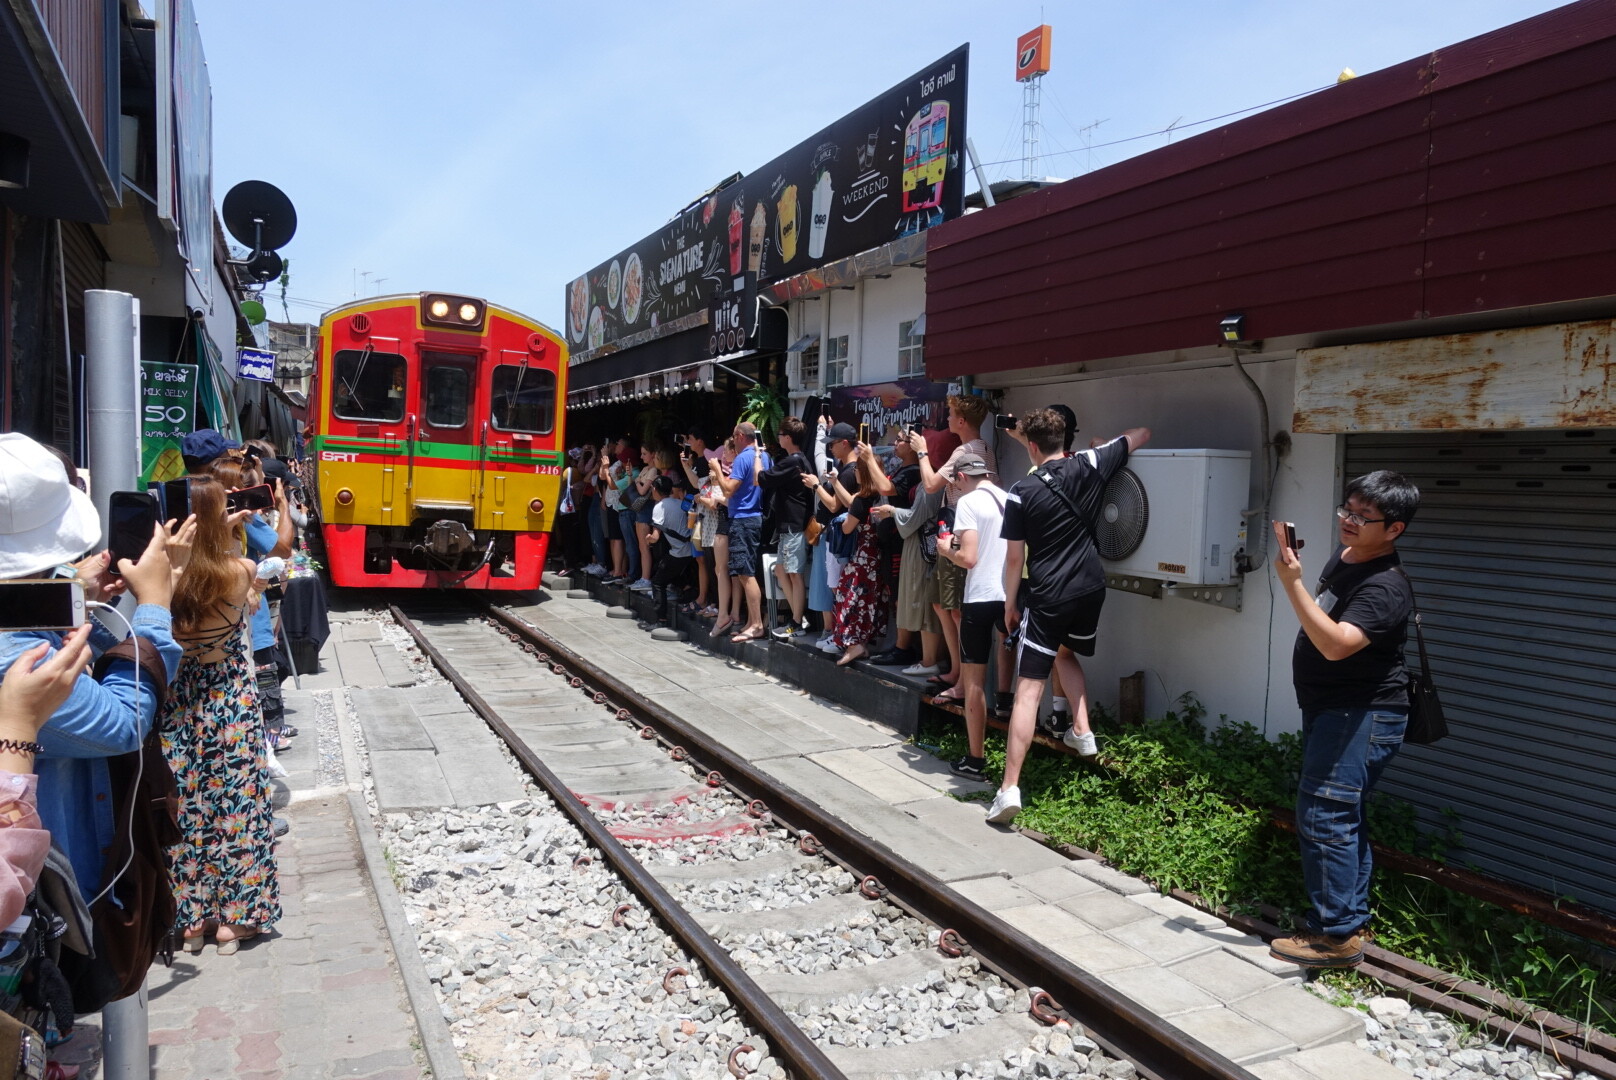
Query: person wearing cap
{"type": "Point", "coordinates": [668, 524]}
{"type": "Point", "coordinates": [976, 547]}
{"type": "Point", "coordinates": [202, 447]}
{"type": "Point", "coordinates": [790, 509]}
{"type": "Point", "coordinates": [1047, 526]}
{"type": "Point", "coordinates": [746, 524]}
{"type": "Point", "coordinates": [46, 524]}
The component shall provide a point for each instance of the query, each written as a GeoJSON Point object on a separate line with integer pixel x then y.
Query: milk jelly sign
{"type": "Point", "coordinates": [891, 168]}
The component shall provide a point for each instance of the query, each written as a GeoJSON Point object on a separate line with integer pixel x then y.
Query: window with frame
{"type": "Point", "coordinates": [808, 367]}
{"type": "Point", "coordinates": [911, 352]}
{"type": "Point", "coordinates": [369, 385]}
{"type": "Point", "coordinates": [448, 391]}
{"type": "Point", "coordinates": [524, 398]}
{"type": "Point", "coordinates": [836, 362]}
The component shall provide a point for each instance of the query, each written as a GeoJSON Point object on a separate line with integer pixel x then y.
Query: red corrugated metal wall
{"type": "Point", "coordinates": [1479, 178]}
{"type": "Point", "coordinates": [77, 29]}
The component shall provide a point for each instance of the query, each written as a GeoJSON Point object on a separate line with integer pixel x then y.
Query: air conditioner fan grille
{"type": "Point", "coordinates": [1124, 516]}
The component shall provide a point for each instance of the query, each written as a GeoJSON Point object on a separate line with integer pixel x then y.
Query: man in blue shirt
{"type": "Point", "coordinates": [45, 523]}
{"type": "Point", "coordinates": [746, 523]}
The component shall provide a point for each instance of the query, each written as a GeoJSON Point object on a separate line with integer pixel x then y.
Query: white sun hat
{"type": "Point", "coordinates": [44, 520]}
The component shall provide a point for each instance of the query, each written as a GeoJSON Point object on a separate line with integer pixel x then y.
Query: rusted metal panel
{"type": "Point", "coordinates": [77, 30]}
{"type": "Point", "coordinates": [1479, 178]}
{"type": "Point", "coordinates": [1561, 376]}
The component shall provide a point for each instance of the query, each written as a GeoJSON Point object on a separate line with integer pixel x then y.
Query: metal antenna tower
{"type": "Point", "coordinates": [1031, 97]}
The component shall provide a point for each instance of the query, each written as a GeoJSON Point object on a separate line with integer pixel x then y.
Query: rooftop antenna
{"type": "Point", "coordinates": [1032, 63]}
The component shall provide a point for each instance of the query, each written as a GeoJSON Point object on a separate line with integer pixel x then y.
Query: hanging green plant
{"type": "Point", "coordinates": [763, 407]}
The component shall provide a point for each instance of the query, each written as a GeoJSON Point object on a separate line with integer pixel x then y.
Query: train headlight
{"type": "Point", "coordinates": [452, 312]}
{"type": "Point", "coordinates": [344, 497]}
{"type": "Point", "coordinates": [536, 506]}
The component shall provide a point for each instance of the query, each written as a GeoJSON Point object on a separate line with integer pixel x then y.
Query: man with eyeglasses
{"type": "Point", "coordinates": [1353, 692]}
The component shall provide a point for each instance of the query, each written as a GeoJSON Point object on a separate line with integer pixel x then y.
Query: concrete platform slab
{"type": "Point", "coordinates": [1162, 992]}
{"type": "Point", "coordinates": [1164, 942]}
{"type": "Point", "coordinates": [1109, 878]}
{"type": "Point", "coordinates": [1104, 910]}
{"type": "Point", "coordinates": [1254, 951]}
{"type": "Point", "coordinates": [996, 893]}
{"type": "Point", "coordinates": [1225, 976]}
{"type": "Point", "coordinates": [478, 775]}
{"type": "Point", "coordinates": [1235, 1036]}
{"type": "Point", "coordinates": [1301, 1017]}
{"type": "Point", "coordinates": [980, 1042]}
{"type": "Point", "coordinates": [357, 662]}
{"type": "Point", "coordinates": [408, 780]}
{"type": "Point", "coordinates": [967, 825]}
{"type": "Point", "coordinates": [746, 736]}
{"type": "Point", "coordinates": [926, 769]}
{"type": "Point", "coordinates": [1337, 1061]}
{"type": "Point", "coordinates": [1056, 883]}
{"type": "Point", "coordinates": [1177, 911]}
{"type": "Point", "coordinates": [827, 911]}
{"type": "Point", "coordinates": [1065, 935]}
{"type": "Point", "coordinates": [876, 777]}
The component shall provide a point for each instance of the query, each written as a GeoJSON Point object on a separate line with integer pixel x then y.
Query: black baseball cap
{"type": "Point", "coordinates": [841, 431]}
{"type": "Point", "coordinates": [662, 485]}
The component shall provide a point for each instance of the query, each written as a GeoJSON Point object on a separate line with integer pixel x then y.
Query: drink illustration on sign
{"type": "Point", "coordinates": [757, 238]}
{"type": "Point", "coordinates": [737, 243]}
{"type": "Point", "coordinates": [819, 222]}
{"type": "Point", "coordinates": [785, 224]}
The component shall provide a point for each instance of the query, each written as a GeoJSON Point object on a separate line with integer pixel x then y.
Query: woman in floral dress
{"type": "Point", "coordinates": [224, 870]}
{"type": "Point", "coordinates": [861, 593]}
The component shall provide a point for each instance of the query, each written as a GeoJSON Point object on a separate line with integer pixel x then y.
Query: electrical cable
{"type": "Point", "coordinates": [140, 760]}
{"type": "Point", "coordinates": [1181, 127]}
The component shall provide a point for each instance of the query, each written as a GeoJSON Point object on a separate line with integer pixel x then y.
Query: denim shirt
{"type": "Point", "coordinates": [261, 540]}
{"type": "Point", "coordinates": [97, 721]}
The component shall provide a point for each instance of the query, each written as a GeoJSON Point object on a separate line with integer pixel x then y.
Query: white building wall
{"type": "Point", "coordinates": [869, 314]}
{"type": "Point", "coordinates": [1237, 663]}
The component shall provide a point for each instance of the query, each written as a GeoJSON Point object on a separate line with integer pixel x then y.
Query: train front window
{"type": "Point", "coordinates": [524, 398]}
{"type": "Point", "coordinates": [369, 385]}
{"type": "Point", "coordinates": [448, 394]}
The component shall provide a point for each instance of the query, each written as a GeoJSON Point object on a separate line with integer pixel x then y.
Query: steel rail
{"type": "Point", "coordinates": [1113, 1020]}
{"type": "Point", "coordinates": [787, 1041]}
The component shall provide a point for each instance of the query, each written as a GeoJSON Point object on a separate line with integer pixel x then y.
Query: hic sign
{"type": "Point", "coordinates": [255, 364]}
{"type": "Point", "coordinates": [167, 415]}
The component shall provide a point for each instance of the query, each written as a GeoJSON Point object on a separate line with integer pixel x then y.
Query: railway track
{"type": "Point", "coordinates": [939, 981]}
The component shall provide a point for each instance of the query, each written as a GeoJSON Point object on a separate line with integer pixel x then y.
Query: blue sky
{"type": "Point", "coordinates": [499, 148]}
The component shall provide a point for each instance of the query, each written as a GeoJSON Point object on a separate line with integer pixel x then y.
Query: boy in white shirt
{"type": "Point", "coordinates": [976, 547]}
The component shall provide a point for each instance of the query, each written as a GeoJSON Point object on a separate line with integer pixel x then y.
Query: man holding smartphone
{"type": "Point", "coordinates": [1353, 692]}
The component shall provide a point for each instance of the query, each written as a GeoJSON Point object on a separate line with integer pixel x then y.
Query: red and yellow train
{"type": "Point", "coordinates": [436, 425]}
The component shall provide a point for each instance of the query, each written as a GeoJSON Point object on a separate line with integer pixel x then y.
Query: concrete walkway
{"type": "Point", "coordinates": [322, 995]}
{"type": "Point", "coordinates": [1190, 968]}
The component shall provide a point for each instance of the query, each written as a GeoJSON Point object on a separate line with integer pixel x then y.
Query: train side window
{"type": "Point", "coordinates": [524, 398]}
{"type": "Point", "coordinates": [448, 396]}
{"type": "Point", "coordinates": [369, 385]}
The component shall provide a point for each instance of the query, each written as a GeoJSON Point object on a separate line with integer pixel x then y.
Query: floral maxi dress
{"type": "Point", "coordinates": [213, 737]}
{"type": "Point", "coordinates": [861, 594]}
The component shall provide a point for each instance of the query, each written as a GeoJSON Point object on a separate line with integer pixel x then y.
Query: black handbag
{"type": "Point", "coordinates": [1426, 721]}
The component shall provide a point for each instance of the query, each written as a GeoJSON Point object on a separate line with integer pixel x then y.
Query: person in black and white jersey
{"type": "Point", "coordinates": [1048, 525]}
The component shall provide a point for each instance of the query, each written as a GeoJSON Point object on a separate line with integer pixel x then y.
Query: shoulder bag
{"type": "Point", "coordinates": [1426, 721]}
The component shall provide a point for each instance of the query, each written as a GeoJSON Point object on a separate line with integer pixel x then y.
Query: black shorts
{"type": "Point", "coordinates": [1073, 624]}
{"type": "Point", "coordinates": [977, 623]}
{"type": "Point", "coordinates": [614, 528]}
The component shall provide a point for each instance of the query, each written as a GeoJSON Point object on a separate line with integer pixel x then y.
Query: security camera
{"type": "Point", "coordinates": [196, 314]}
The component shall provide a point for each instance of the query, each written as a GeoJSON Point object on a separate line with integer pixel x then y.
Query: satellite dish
{"type": "Point", "coordinates": [1124, 516]}
{"type": "Point", "coordinates": [262, 267]}
{"type": "Point", "coordinates": [252, 311]}
{"type": "Point", "coordinates": [259, 215]}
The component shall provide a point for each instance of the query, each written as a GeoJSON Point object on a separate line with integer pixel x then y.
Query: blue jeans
{"type": "Point", "coordinates": [631, 544]}
{"type": "Point", "coordinates": [590, 507]}
{"type": "Point", "coordinates": [1344, 751]}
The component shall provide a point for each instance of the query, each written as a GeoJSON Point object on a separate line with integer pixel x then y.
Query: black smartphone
{"type": "Point", "coordinates": [53, 604]}
{"type": "Point", "coordinates": [132, 516]}
{"type": "Point", "coordinates": [1290, 535]}
{"type": "Point", "coordinates": [261, 497]}
{"type": "Point", "coordinates": [176, 497]}
{"type": "Point", "coordinates": [1005, 421]}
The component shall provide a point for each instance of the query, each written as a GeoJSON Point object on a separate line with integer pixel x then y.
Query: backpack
{"type": "Point", "coordinates": [928, 533]}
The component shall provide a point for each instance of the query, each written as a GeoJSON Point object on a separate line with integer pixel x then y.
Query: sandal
{"type": "Point", "coordinates": [709, 612]}
{"type": "Point", "coordinates": [949, 697]}
{"type": "Point", "coordinates": [745, 636]}
{"type": "Point", "coordinates": [849, 658]}
{"type": "Point", "coordinates": [229, 946]}
{"type": "Point", "coordinates": [720, 626]}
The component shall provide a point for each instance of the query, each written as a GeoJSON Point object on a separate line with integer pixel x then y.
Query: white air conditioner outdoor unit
{"type": "Point", "coordinates": [1175, 515]}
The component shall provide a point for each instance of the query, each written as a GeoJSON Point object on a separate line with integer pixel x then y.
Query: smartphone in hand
{"type": "Point", "coordinates": [1005, 421]}
{"type": "Point", "coordinates": [261, 497]}
{"type": "Point", "coordinates": [132, 515]}
{"type": "Point", "coordinates": [1290, 535]}
{"type": "Point", "coordinates": [54, 604]}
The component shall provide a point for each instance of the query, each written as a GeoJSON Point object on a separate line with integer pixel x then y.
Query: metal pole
{"type": "Point", "coordinates": [976, 166]}
{"type": "Point", "coordinates": [112, 388]}
{"type": "Point", "coordinates": [124, 1035]}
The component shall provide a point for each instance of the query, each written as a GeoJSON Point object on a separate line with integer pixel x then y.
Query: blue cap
{"type": "Point", "coordinates": [199, 448]}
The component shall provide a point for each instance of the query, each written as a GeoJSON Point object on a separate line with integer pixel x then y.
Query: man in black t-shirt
{"type": "Point", "coordinates": [1049, 524]}
{"type": "Point", "coordinates": [1353, 691]}
{"type": "Point", "coordinates": [789, 508]}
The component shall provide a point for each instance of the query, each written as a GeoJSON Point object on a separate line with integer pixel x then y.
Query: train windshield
{"type": "Point", "coordinates": [448, 392]}
{"type": "Point", "coordinates": [524, 398]}
{"type": "Point", "coordinates": [369, 385]}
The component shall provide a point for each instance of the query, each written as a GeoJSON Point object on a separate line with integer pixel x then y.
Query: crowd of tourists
{"type": "Point", "coordinates": [101, 729]}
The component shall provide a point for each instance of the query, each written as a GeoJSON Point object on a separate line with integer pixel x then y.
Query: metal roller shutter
{"type": "Point", "coordinates": [1513, 556]}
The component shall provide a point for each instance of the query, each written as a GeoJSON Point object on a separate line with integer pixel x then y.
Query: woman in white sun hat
{"type": "Point", "coordinates": [46, 526]}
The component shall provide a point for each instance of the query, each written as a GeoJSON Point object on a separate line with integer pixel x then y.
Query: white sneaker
{"type": "Point", "coordinates": [923, 669]}
{"type": "Point", "coordinates": [1006, 805]}
{"type": "Point", "coordinates": [642, 585]}
{"type": "Point", "coordinates": [827, 645]}
{"type": "Point", "coordinates": [1081, 741]}
{"type": "Point", "coordinates": [595, 570]}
